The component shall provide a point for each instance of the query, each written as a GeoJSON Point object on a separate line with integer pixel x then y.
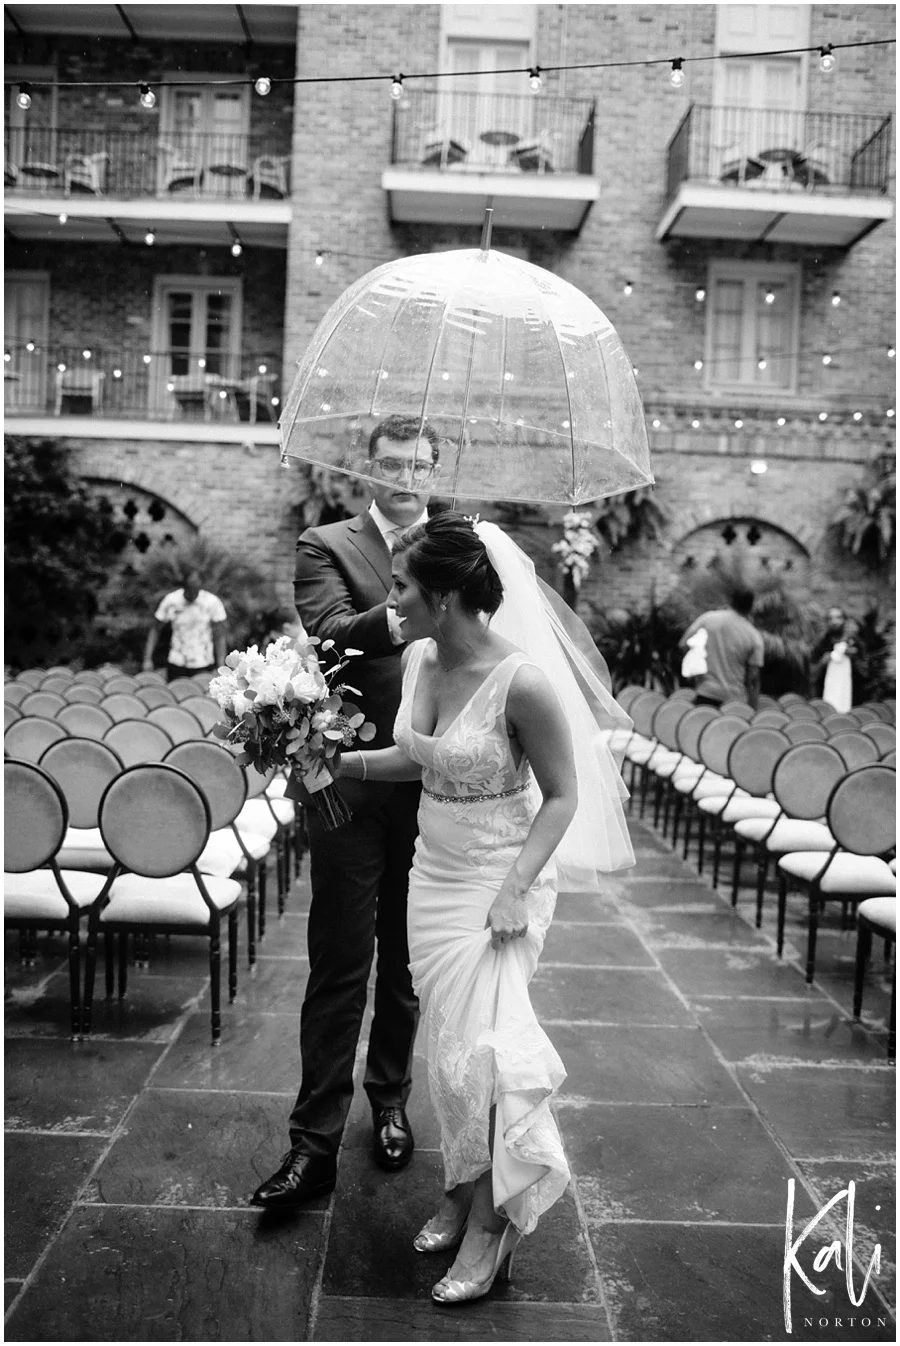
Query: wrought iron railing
{"type": "Point", "coordinates": [64, 161]}
{"type": "Point", "coordinates": [170, 385]}
{"type": "Point", "coordinates": [490, 133]}
{"type": "Point", "coordinates": [832, 153]}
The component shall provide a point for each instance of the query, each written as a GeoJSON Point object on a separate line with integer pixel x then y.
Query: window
{"type": "Point", "coordinates": [489, 110]}
{"type": "Point", "coordinates": [752, 326]}
{"type": "Point", "coordinates": [759, 100]}
{"type": "Point", "coordinates": [203, 138]}
{"type": "Point", "coordinates": [196, 338]}
{"type": "Point", "coordinates": [26, 331]}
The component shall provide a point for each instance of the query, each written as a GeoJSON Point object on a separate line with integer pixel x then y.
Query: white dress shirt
{"type": "Point", "coordinates": [389, 531]}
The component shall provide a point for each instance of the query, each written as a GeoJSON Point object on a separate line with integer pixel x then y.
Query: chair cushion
{"type": "Point", "coordinates": [171, 901]}
{"type": "Point", "coordinates": [276, 787]}
{"type": "Point", "coordinates": [881, 911]}
{"type": "Point", "coordinates": [846, 874]}
{"type": "Point", "coordinates": [677, 768]}
{"type": "Point", "coordinates": [745, 806]}
{"type": "Point", "coordinates": [222, 854]}
{"type": "Point", "coordinates": [284, 810]}
{"type": "Point", "coordinates": [83, 848]}
{"type": "Point", "coordinates": [702, 787]}
{"type": "Point", "coordinates": [37, 894]}
{"type": "Point", "coordinates": [255, 817]}
{"type": "Point", "coordinates": [788, 834]}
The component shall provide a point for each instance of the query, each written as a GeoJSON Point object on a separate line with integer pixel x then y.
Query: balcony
{"type": "Point", "coordinates": [530, 157]}
{"type": "Point", "coordinates": [187, 187]}
{"type": "Point", "coordinates": [815, 178]}
{"type": "Point", "coordinates": [78, 391]}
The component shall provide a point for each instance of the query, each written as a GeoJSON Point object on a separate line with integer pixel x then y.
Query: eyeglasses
{"type": "Point", "coordinates": [395, 469]}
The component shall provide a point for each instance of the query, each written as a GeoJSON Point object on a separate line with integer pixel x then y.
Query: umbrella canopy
{"type": "Point", "coordinates": [521, 375]}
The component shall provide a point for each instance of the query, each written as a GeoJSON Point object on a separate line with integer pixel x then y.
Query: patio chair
{"type": "Point", "coordinates": [85, 172]}
{"type": "Point", "coordinates": [179, 170]}
{"type": "Point", "coordinates": [801, 783]}
{"type": "Point", "coordinates": [876, 916]}
{"type": "Point", "coordinates": [268, 176]}
{"type": "Point", "coordinates": [83, 720]}
{"type": "Point", "coordinates": [155, 823]}
{"type": "Point", "coordinates": [861, 816]}
{"type": "Point", "coordinates": [442, 150]}
{"type": "Point", "coordinates": [28, 737]}
{"type": "Point", "coordinates": [138, 741]}
{"type": "Point", "coordinates": [84, 385]}
{"type": "Point", "coordinates": [37, 893]}
{"type": "Point", "coordinates": [179, 724]}
{"type": "Point", "coordinates": [533, 154]}
{"type": "Point", "coordinates": [82, 768]}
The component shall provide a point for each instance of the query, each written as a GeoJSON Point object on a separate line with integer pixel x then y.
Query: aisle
{"type": "Point", "coordinates": [702, 1075]}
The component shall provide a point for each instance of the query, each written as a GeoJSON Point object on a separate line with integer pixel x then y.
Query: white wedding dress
{"type": "Point", "coordinates": [478, 1030]}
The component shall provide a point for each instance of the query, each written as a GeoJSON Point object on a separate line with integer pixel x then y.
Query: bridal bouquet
{"type": "Point", "coordinates": [285, 710]}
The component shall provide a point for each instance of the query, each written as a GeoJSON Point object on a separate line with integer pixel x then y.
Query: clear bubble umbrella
{"type": "Point", "coordinates": [522, 376]}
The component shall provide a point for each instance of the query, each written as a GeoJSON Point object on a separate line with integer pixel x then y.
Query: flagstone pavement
{"type": "Point", "coordinates": [704, 1076]}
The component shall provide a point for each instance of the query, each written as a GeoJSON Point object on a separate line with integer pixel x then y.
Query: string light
{"type": "Point", "coordinates": [236, 248]}
{"type": "Point", "coordinates": [534, 79]}
{"type": "Point", "coordinates": [86, 354]}
{"type": "Point", "coordinates": [396, 87]}
{"type": "Point", "coordinates": [657, 424]}
{"type": "Point", "coordinates": [635, 371]}
{"type": "Point", "coordinates": [320, 258]}
{"type": "Point", "coordinates": [148, 97]}
{"type": "Point", "coordinates": [698, 364]}
{"type": "Point", "coordinates": [63, 217]}
{"type": "Point", "coordinates": [61, 367]}
{"type": "Point", "coordinates": [150, 238]}
{"type": "Point", "coordinates": [835, 299]}
{"type": "Point", "coordinates": [857, 415]}
{"type": "Point", "coordinates": [29, 346]}
{"type": "Point", "coordinates": [827, 58]}
{"type": "Point", "coordinates": [700, 294]}
{"type": "Point", "coordinates": [146, 359]}
{"type": "Point", "coordinates": [695, 424]}
{"type": "Point", "coordinates": [823, 415]}
{"type": "Point", "coordinates": [23, 97]}
{"type": "Point", "coordinates": [263, 86]}
{"type": "Point", "coordinates": [739, 425]}
{"type": "Point", "coordinates": [627, 287]}
{"type": "Point", "coordinates": [891, 352]}
{"type": "Point", "coordinates": [770, 296]}
{"type": "Point", "coordinates": [781, 421]}
{"type": "Point", "coordinates": [890, 411]}
{"type": "Point", "coordinates": [761, 362]}
{"type": "Point", "coordinates": [117, 373]}
{"type": "Point", "coordinates": [676, 79]}
{"type": "Point", "coordinates": [826, 359]}
{"type": "Point", "coordinates": [758, 466]}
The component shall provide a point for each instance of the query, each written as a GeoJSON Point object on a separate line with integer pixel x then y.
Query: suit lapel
{"type": "Point", "coordinates": [367, 539]}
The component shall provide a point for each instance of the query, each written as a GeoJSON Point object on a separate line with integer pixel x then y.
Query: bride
{"type": "Point", "coordinates": [504, 744]}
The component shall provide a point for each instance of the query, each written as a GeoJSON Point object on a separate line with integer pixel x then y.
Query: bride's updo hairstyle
{"type": "Point", "coordinates": [445, 555]}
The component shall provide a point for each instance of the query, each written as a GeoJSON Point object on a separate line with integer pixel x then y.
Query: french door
{"type": "Point", "coordinates": [26, 310]}
{"type": "Point", "coordinates": [205, 129]}
{"type": "Point", "coordinates": [489, 109]}
{"type": "Point", "coordinates": [196, 339]}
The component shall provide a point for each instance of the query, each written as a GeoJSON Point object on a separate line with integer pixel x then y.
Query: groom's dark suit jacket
{"type": "Point", "coordinates": [343, 577]}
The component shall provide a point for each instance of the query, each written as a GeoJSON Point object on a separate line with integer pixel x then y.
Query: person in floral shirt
{"type": "Point", "coordinates": [197, 643]}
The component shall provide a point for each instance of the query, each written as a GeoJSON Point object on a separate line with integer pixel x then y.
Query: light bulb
{"type": "Point", "coordinates": [891, 352]}
{"type": "Point", "coordinates": [823, 415]}
{"type": "Point", "coordinates": [758, 466]}
{"type": "Point", "coordinates": [86, 354]}
{"type": "Point", "coordinates": [827, 58]}
{"type": "Point", "coordinates": [263, 86]}
{"type": "Point", "coordinates": [534, 79]}
{"type": "Point", "coordinates": [698, 364]}
{"type": "Point", "coordinates": [61, 367]}
{"type": "Point", "coordinates": [676, 79]}
{"type": "Point", "coordinates": [761, 363]}
{"type": "Point", "coordinates": [29, 345]}
{"type": "Point", "coordinates": [275, 401]}
{"type": "Point", "coordinates": [117, 373]}
{"type": "Point", "coordinates": [835, 299]}
{"type": "Point", "coordinates": [781, 421]}
{"type": "Point", "coordinates": [320, 258]}
{"type": "Point", "coordinates": [770, 296]}
{"type": "Point", "coordinates": [23, 97]}
{"type": "Point", "coordinates": [656, 424]}
{"type": "Point", "coordinates": [826, 359]}
{"type": "Point", "coordinates": [201, 362]}
{"type": "Point", "coordinates": [236, 249]}
{"type": "Point", "coordinates": [627, 287]}
{"type": "Point", "coordinates": [63, 217]}
{"type": "Point", "coordinates": [150, 238]}
{"type": "Point", "coordinates": [890, 411]}
{"type": "Point", "coordinates": [695, 424]}
{"type": "Point", "coordinates": [146, 359]}
{"type": "Point", "coordinates": [857, 415]}
{"type": "Point", "coordinates": [397, 88]}
{"type": "Point", "coordinates": [262, 369]}
{"type": "Point", "coordinates": [700, 294]}
{"type": "Point", "coordinates": [738, 425]}
{"type": "Point", "coordinates": [148, 97]}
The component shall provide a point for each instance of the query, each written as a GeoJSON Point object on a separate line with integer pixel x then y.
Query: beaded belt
{"type": "Point", "coordinates": [473, 799]}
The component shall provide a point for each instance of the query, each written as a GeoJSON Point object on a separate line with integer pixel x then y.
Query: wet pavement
{"type": "Point", "coordinates": [703, 1076]}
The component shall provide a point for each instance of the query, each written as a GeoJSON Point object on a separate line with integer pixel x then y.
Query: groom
{"type": "Point", "coordinates": [359, 873]}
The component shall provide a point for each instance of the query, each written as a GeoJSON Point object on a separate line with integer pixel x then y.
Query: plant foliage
{"type": "Point", "coordinates": [865, 525]}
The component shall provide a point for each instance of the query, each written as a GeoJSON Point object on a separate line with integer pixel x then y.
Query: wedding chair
{"type": "Point", "coordinates": [750, 765]}
{"type": "Point", "coordinates": [42, 703]}
{"type": "Point", "coordinates": [123, 705]}
{"type": "Point", "coordinates": [11, 713]}
{"type": "Point", "coordinates": [274, 819]}
{"type": "Point", "coordinates": [56, 682]}
{"type": "Point", "coordinates": [120, 682]}
{"type": "Point", "coordinates": [856, 748]}
{"type": "Point", "coordinates": [836, 723]}
{"type": "Point", "coordinates": [155, 696]}
{"type": "Point", "coordinates": [861, 815]}
{"type": "Point", "coordinates": [151, 677]}
{"type": "Point", "coordinates": [182, 688]}
{"type": "Point", "coordinates": [883, 735]}
{"type": "Point", "coordinates": [31, 677]}
{"type": "Point", "coordinates": [740, 708]}
{"type": "Point", "coordinates": [876, 916]}
{"type": "Point", "coordinates": [663, 766]}
{"type": "Point", "coordinates": [14, 693]}
{"type": "Point", "coordinates": [805, 731]}
{"type": "Point", "coordinates": [155, 823]}
{"type": "Point", "coordinates": [87, 693]}
{"type": "Point", "coordinates": [83, 720]}
{"type": "Point", "coordinates": [708, 737]}
{"type": "Point", "coordinates": [770, 719]}
{"type": "Point", "coordinates": [205, 709]}
{"type": "Point", "coordinates": [27, 738]}
{"type": "Point", "coordinates": [179, 724]}
{"type": "Point", "coordinates": [138, 741]}
{"type": "Point", "coordinates": [37, 893]}
{"type": "Point", "coordinates": [82, 768]}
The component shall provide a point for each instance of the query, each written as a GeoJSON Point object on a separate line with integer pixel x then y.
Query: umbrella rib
{"type": "Point", "coordinates": [568, 402]}
{"type": "Point", "coordinates": [287, 433]}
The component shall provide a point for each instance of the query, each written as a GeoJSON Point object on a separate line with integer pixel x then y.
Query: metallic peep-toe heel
{"type": "Point", "coordinates": [449, 1291]}
{"type": "Point", "coordinates": [431, 1241]}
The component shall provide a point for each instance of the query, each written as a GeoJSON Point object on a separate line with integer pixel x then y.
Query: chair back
{"type": "Point", "coordinates": [34, 817]}
{"type": "Point", "coordinates": [120, 682]}
{"type": "Point", "coordinates": [151, 677]}
{"type": "Point", "coordinates": [14, 693]}
{"type": "Point", "coordinates": [88, 693]}
{"type": "Point", "coordinates": [138, 741]}
{"type": "Point", "coordinates": [42, 703]}
{"type": "Point", "coordinates": [770, 719]}
{"type": "Point", "coordinates": [123, 706]}
{"type": "Point", "coordinates": [881, 710]}
{"type": "Point", "coordinates": [56, 682]}
{"type": "Point", "coordinates": [205, 709]}
{"type": "Point", "coordinates": [82, 768]}
{"type": "Point", "coordinates": [666, 720]}
{"type": "Point", "coordinates": [691, 727]}
{"type": "Point", "coordinates": [84, 720]}
{"type": "Point", "coordinates": [214, 770]}
{"type": "Point", "coordinates": [716, 739]}
{"type": "Point", "coordinates": [740, 708]}
{"type": "Point", "coordinates": [766, 702]}
{"type": "Point", "coordinates": [883, 735]}
{"type": "Point", "coordinates": [753, 757]}
{"type": "Point", "coordinates": [154, 695]}
{"type": "Point", "coordinates": [805, 731]}
{"type": "Point", "coordinates": [28, 737]}
{"type": "Point", "coordinates": [836, 724]}
{"type": "Point", "coordinates": [258, 781]}
{"type": "Point", "coordinates": [856, 748]}
{"type": "Point", "coordinates": [31, 677]}
{"type": "Point", "coordinates": [866, 715]}
{"type": "Point", "coordinates": [683, 694]}
{"type": "Point", "coordinates": [90, 677]}
{"type": "Point", "coordinates": [802, 710]}
{"type": "Point", "coordinates": [154, 820]}
{"type": "Point", "coordinates": [10, 715]}
{"type": "Point", "coordinates": [862, 810]}
{"type": "Point", "coordinates": [890, 758]}
{"type": "Point", "coordinates": [182, 688]}
{"type": "Point", "coordinates": [788, 698]}
{"type": "Point", "coordinates": [805, 777]}
{"type": "Point", "coordinates": [642, 710]}
{"type": "Point", "coordinates": [179, 724]}
{"type": "Point", "coordinates": [628, 694]}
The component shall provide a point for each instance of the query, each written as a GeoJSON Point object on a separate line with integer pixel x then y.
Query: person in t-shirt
{"type": "Point", "coordinates": [197, 643]}
{"type": "Point", "coordinates": [734, 653]}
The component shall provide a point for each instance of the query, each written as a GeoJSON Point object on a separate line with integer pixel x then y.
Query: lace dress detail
{"type": "Point", "coordinates": [478, 1031]}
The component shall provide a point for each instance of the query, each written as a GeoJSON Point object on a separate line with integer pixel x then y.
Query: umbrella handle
{"type": "Point", "coordinates": [486, 229]}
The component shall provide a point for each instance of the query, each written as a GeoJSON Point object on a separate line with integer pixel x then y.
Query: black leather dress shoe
{"type": "Point", "coordinates": [392, 1141]}
{"type": "Point", "coordinates": [301, 1178]}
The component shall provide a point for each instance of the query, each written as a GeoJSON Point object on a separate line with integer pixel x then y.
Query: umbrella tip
{"type": "Point", "coordinates": [486, 228]}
